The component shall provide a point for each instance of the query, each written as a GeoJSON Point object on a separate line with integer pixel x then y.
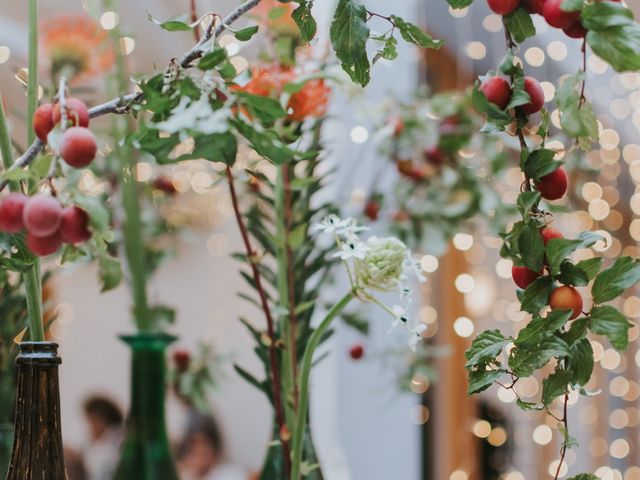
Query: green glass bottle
{"type": "Point", "coordinates": [273, 466]}
{"type": "Point", "coordinates": [146, 453]}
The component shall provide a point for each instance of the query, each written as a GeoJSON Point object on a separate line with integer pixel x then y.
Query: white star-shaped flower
{"type": "Point", "coordinates": [330, 224]}
{"type": "Point", "coordinates": [352, 247]}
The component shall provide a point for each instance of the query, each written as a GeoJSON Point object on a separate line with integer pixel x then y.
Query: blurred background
{"type": "Point", "coordinates": [366, 426]}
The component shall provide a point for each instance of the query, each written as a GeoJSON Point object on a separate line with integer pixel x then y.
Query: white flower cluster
{"type": "Point", "coordinates": [377, 264]}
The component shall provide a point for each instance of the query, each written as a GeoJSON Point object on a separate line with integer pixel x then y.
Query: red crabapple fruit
{"type": "Point", "coordinates": [11, 209]}
{"type": "Point", "coordinates": [43, 121]}
{"type": "Point", "coordinates": [497, 90]}
{"type": "Point", "coordinates": [42, 215]}
{"type": "Point", "coordinates": [44, 246]}
{"type": "Point", "coordinates": [566, 298]}
{"type": "Point", "coordinates": [77, 113]}
{"type": "Point", "coordinates": [74, 227]}
{"type": "Point", "coordinates": [78, 146]}
{"type": "Point", "coordinates": [555, 185]}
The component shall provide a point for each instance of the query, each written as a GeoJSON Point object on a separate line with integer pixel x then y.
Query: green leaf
{"type": "Point", "coordinates": [266, 109]}
{"type": "Point", "coordinates": [560, 248]}
{"type": "Point", "coordinates": [540, 163]}
{"type": "Point", "coordinates": [539, 327]}
{"type": "Point", "coordinates": [175, 26]}
{"type": "Point", "coordinates": [528, 406]}
{"type": "Point", "coordinates": [485, 348]}
{"type": "Point", "coordinates": [480, 380]}
{"type": "Point", "coordinates": [497, 116]}
{"type": "Point", "coordinates": [612, 282]}
{"type": "Point", "coordinates": [246, 34]}
{"type": "Point", "coordinates": [525, 360]}
{"type": "Point", "coordinates": [570, 274]}
{"type": "Point", "coordinates": [110, 272]}
{"type": "Point", "coordinates": [305, 21]}
{"type": "Point", "coordinates": [572, 5]}
{"type": "Point", "coordinates": [581, 362]}
{"type": "Point", "coordinates": [459, 3]}
{"type": "Point", "coordinates": [555, 385]}
{"type": "Point", "coordinates": [519, 95]}
{"type": "Point", "coordinates": [531, 247]}
{"type": "Point", "coordinates": [212, 59]}
{"type": "Point", "coordinates": [349, 36]}
{"type": "Point", "coordinates": [251, 379]}
{"type": "Point", "coordinates": [577, 118]}
{"type": "Point", "coordinates": [600, 16]}
{"type": "Point", "coordinates": [619, 46]}
{"type": "Point", "coordinates": [536, 295]}
{"type": "Point", "coordinates": [99, 218]}
{"type": "Point", "coordinates": [585, 476]}
{"type": "Point", "coordinates": [520, 24]}
{"type": "Point", "coordinates": [590, 266]}
{"type": "Point", "coordinates": [415, 35]}
{"type": "Point", "coordinates": [608, 321]}
{"type": "Point", "coordinates": [161, 315]}
{"type": "Point", "coordinates": [578, 331]}
{"type": "Point", "coordinates": [265, 142]}
{"type": "Point", "coordinates": [526, 201]}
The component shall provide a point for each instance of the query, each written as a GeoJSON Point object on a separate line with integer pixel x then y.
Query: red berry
{"type": "Point", "coordinates": [182, 359]}
{"type": "Point", "coordinates": [554, 185]}
{"type": "Point", "coordinates": [522, 276]}
{"type": "Point", "coordinates": [503, 7]}
{"type": "Point", "coordinates": [77, 113]}
{"type": "Point", "coordinates": [566, 298]}
{"type": "Point", "coordinates": [372, 209]}
{"type": "Point", "coordinates": [43, 121]}
{"type": "Point", "coordinates": [556, 17]}
{"type": "Point", "coordinates": [536, 95]}
{"type": "Point", "coordinates": [417, 174]}
{"type": "Point", "coordinates": [449, 125]}
{"type": "Point", "coordinates": [549, 234]}
{"type": "Point", "coordinates": [533, 6]}
{"type": "Point", "coordinates": [11, 209]}
{"type": "Point", "coordinates": [434, 155]}
{"type": "Point", "coordinates": [356, 352]}
{"type": "Point", "coordinates": [78, 146]}
{"type": "Point", "coordinates": [74, 227]}
{"type": "Point", "coordinates": [165, 184]}
{"type": "Point", "coordinates": [44, 246]}
{"type": "Point", "coordinates": [576, 30]}
{"type": "Point", "coordinates": [42, 215]}
{"type": "Point", "coordinates": [497, 90]}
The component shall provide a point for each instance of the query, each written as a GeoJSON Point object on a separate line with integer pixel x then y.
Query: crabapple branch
{"type": "Point", "coordinates": [122, 104]}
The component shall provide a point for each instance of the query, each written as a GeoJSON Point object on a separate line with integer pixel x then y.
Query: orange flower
{"type": "Point", "coordinates": [76, 43]}
{"type": "Point", "coordinates": [310, 102]}
{"type": "Point", "coordinates": [276, 16]}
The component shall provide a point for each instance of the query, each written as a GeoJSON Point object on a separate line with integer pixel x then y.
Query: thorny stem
{"type": "Point", "coordinates": [273, 354]}
{"type": "Point", "coordinates": [565, 421]}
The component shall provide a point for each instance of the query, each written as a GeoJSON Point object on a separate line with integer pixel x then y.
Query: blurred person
{"type": "Point", "coordinates": [105, 422]}
{"type": "Point", "coordinates": [201, 453]}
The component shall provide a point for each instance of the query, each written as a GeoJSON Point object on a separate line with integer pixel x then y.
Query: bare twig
{"type": "Point", "coordinates": [264, 302]}
{"type": "Point", "coordinates": [565, 422]}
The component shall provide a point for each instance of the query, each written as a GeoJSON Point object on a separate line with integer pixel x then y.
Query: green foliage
{"type": "Point", "coordinates": [613, 34]}
{"type": "Point", "coordinates": [608, 321]}
{"type": "Point", "coordinates": [305, 21]}
{"type": "Point", "coordinates": [577, 118]}
{"type": "Point", "coordinates": [520, 25]}
{"type": "Point", "coordinates": [612, 282]}
{"type": "Point", "coordinates": [349, 36]}
{"type": "Point", "coordinates": [459, 3]}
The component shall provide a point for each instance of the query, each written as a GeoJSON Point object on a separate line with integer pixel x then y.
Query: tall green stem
{"type": "Point", "coordinates": [305, 373]}
{"type": "Point", "coordinates": [32, 280]}
{"type": "Point", "coordinates": [132, 234]}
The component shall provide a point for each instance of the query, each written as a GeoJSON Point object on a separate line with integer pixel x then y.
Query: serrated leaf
{"type": "Point", "coordinates": [520, 24]}
{"type": "Point", "coordinates": [485, 348]}
{"type": "Point", "coordinates": [599, 16]}
{"type": "Point", "coordinates": [480, 380]}
{"type": "Point", "coordinates": [525, 360]}
{"type": "Point", "coordinates": [540, 163]}
{"type": "Point", "coordinates": [526, 201]}
{"type": "Point", "coordinates": [612, 282]}
{"type": "Point", "coordinates": [349, 35]}
{"type": "Point", "coordinates": [619, 46]}
{"type": "Point", "coordinates": [608, 321]}
{"type": "Point", "coordinates": [555, 385]}
{"type": "Point", "coordinates": [540, 327]}
{"type": "Point", "coordinates": [531, 247]}
{"type": "Point", "coordinates": [536, 295]}
{"type": "Point", "coordinates": [577, 118]}
{"type": "Point", "coordinates": [305, 21]}
{"type": "Point", "coordinates": [413, 34]}
{"type": "Point", "coordinates": [571, 274]}
{"type": "Point", "coordinates": [459, 3]}
{"type": "Point", "coordinates": [580, 362]}
{"type": "Point", "coordinates": [572, 5]}
{"type": "Point", "coordinates": [558, 249]}
{"type": "Point", "coordinates": [590, 266]}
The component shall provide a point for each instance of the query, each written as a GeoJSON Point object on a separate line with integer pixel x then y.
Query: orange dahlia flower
{"type": "Point", "coordinates": [276, 16]}
{"type": "Point", "coordinates": [309, 102]}
{"type": "Point", "coordinates": [76, 43]}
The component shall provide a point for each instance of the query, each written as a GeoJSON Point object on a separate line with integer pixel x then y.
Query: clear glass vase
{"type": "Point", "coordinates": [146, 452]}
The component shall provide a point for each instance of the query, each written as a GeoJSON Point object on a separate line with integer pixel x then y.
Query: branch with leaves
{"type": "Point", "coordinates": [547, 276]}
